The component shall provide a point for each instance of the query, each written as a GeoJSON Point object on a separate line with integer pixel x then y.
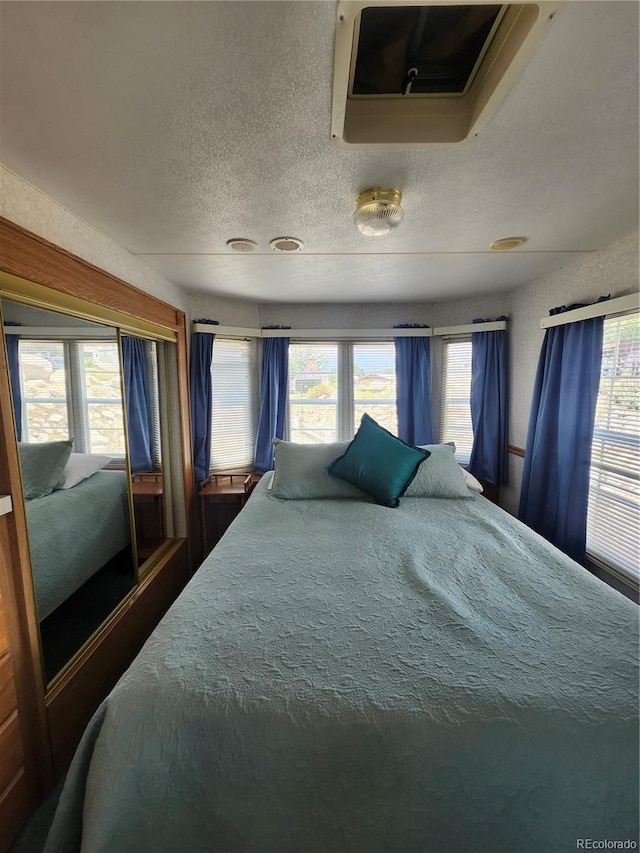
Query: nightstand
{"type": "Point", "coordinates": [148, 506]}
{"type": "Point", "coordinates": [222, 496]}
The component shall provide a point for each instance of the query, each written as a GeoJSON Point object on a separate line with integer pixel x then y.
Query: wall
{"type": "Point", "coordinates": [22, 203]}
{"type": "Point", "coordinates": [612, 270]}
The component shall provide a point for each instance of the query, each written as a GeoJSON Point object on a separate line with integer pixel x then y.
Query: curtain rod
{"type": "Point", "coordinates": [599, 309]}
{"type": "Point", "coordinates": [350, 334]}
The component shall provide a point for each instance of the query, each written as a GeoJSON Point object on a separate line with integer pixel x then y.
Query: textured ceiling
{"type": "Point", "coordinates": [173, 127]}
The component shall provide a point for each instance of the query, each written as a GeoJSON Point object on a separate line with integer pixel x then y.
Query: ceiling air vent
{"type": "Point", "coordinates": [427, 73]}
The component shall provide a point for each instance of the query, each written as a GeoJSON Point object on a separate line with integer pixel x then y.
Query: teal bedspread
{"type": "Point", "coordinates": [73, 533]}
{"type": "Point", "coordinates": [339, 676]}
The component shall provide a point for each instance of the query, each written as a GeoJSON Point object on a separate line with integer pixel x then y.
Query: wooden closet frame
{"type": "Point", "coordinates": [52, 721]}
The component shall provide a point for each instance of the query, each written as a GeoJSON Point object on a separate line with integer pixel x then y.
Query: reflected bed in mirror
{"type": "Point", "coordinates": [67, 392]}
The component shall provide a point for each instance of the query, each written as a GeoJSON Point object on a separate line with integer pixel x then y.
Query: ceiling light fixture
{"type": "Point", "coordinates": [241, 244]}
{"type": "Point", "coordinates": [507, 243]}
{"type": "Point", "coordinates": [378, 211]}
{"type": "Point", "coordinates": [287, 245]}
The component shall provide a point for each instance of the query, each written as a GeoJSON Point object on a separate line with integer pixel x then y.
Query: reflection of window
{"type": "Point", "coordinates": [71, 389]}
{"type": "Point", "coordinates": [455, 411]}
{"type": "Point", "coordinates": [331, 385]}
{"type": "Point", "coordinates": [233, 409]}
{"type": "Point", "coordinates": [614, 490]}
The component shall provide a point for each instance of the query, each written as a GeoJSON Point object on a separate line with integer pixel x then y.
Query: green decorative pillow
{"type": "Point", "coordinates": [41, 466]}
{"type": "Point", "coordinates": [440, 476]}
{"type": "Point", "coordinates": [378, 463]}
{"type": "Point", "coordinates": [301, 472]}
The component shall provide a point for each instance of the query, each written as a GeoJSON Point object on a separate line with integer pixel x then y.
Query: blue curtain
{"type": "Point", "coordinates": [413, 387]}
{"type": "Point", "coordinates": [273, 399]}
{"type": "Point", "coordinates": [138, 403]}
{"type": "Point", "coordinates": [555, 484]}
{"type": "Point", "coordinates": [489, 415]}
{"type": "Point", "coordinates": [13, 342]}
{"type": "Point", "coordinates": [201, 398]}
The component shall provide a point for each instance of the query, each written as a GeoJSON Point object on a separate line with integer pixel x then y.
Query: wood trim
{"type": "Point", "coordinates": [185, 424]}
{"type": "Point", "coordinates": [75, 698]}
{"type": "Point", "coordinates": [18, 598]}
{"type": "Point", "coordinates": [29, 256]}
{"type": "Point", "coordinates": [514, 450]}
{"type": "Point", "coordinates": [15, 806]}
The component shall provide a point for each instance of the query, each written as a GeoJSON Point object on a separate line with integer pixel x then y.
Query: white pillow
{"type": "Point", "coordinates": [472, 483]}
{"type": "Point", "coordinates": [79, 467]}
{"type": "Point", "coordinates": [269, 477]}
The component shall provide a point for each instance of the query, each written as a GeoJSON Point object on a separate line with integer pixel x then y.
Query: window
{"type": "Point", "coordinates": [614, 488]}
{"type": "Point", "coordinates": [332, 384]}
{"type": "Point", "coordinates": [71, 389]}
{"type": "Point", "coordinates": [374, 384]}
{"type": "Point", "coordinates": [233, 407]}
{"type": "Point", "coordinates": [455, 409]}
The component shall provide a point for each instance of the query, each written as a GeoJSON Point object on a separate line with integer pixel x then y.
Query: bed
{"type": "Point", "coordinates": [73, 533]}
{"type": "Point", "coordinates": [340, 676]}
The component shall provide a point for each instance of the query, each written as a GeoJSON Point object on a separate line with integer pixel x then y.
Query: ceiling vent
{"type": "Point", "coordinates": [425, 73]}
{"type": "Point", "coordinates": [241, 244]}
{"type": "Point", "coordinates": [288, 245]}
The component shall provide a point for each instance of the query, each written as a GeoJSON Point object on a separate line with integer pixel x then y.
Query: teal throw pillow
{"type": "Point", "coordinates": [378, 462]}
{"type": "Point", "coordinates": [41, 466]}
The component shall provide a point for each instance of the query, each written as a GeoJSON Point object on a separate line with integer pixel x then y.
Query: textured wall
{"type": "Point", "coordinates": [22, 203]}
{"type": "Point", "coordinates": [614, 270]}
{"type": "Point", "coordinates": [229, 312]}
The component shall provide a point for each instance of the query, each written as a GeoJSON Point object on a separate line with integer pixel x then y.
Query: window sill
{"type": "Point", "coordinates": [615, 579]}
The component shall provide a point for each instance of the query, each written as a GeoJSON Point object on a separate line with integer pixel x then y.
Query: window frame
{"type": "Point", "coordinates": [346, 425]}
{"type": "Point", "coordinates": [76, 399]}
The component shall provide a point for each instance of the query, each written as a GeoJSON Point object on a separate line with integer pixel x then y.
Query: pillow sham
{"type": "Point", "coordinates": [440, 476]}
{"type": "Point", "coordinates": [41, 466]}
{"type": "Point", "coordinates": [378, 462]}
{"type": "Point", "coordinates": [301, 472]}
{"type": "Point", "coordinates": [472, 483]}
{"type": "Point", "coordinates": [79, 467]}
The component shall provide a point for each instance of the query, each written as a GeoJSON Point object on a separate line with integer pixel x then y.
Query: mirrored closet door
{"type": "Point", "coordinates": [86, 402]}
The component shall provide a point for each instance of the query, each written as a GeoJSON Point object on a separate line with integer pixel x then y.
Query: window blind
{"type": "Point", "coordinates": [614, 488]}
{"type": "Point", "coordinates": [233, 409]}
{"type": "Point", "coordinates": [154, 393]}
{"type": "Point", "coordinates": [455, 408]}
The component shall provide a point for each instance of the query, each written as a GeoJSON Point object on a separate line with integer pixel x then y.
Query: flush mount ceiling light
{"type": "Point", "coordinates": [287, 245]}
{"type": "Point", "coordinates": [241, 244]}
{"type": "Point", "coordinates": [378, 211]}
{"type": "Point", "coordinates": [507, 243]}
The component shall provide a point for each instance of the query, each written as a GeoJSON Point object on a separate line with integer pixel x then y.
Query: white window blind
{"type": "Point", "coordinates": [455, 409]}
{"type": "Point", "coordinates": [233, 409]}
{"type": "Point", "coordinates": [614, 488]}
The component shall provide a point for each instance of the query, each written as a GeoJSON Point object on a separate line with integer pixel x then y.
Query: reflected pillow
{"type": "Point", "coordinates": [79, 467]}
{"type": "Point", "coordinates": [472, 483]}
{"type": "Point", "coordinates": [440, 476]}
{"type": "Point", "coordinates": [301, 472]}
{"type": "Point", "coordinates": [379, 463]}
{"type": "Point", "coordinates": [41, 466]}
